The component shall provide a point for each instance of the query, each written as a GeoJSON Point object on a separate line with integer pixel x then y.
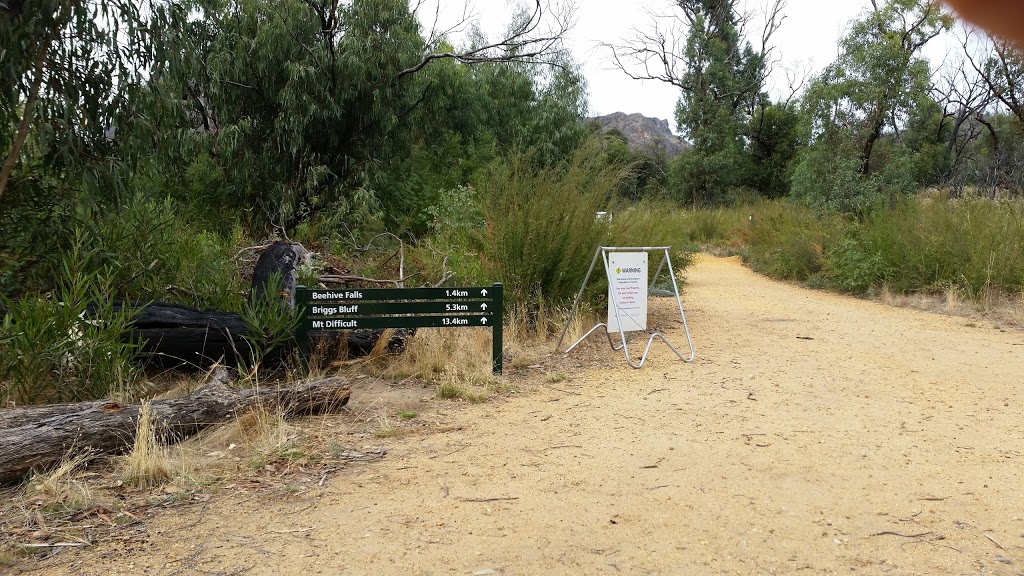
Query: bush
{"type": "Point", "coordinates": [852, 268]}
{"type": "Point", "coordinates": [930, 243]}
{"type": "Point", "coordinates": [155, 253]}
{"type": "Point", "coordinates": [786, 240]}
{"type": "Point", "coordinates": [541, 230]}
{"type": "Point", "coordinates": [923, 243]}
{"type": "Point", "coordinates": [270, 322]}
{"type": "Point", "coordinates": [657, 224]}
{"type": "Point", "coordinates": [67, 347]}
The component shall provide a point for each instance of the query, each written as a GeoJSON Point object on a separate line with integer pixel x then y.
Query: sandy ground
{"type": "Point", "coordinates": [815, 434]}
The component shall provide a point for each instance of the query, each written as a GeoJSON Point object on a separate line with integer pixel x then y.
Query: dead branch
{"type": "Point", "coordinates": [527, 42]}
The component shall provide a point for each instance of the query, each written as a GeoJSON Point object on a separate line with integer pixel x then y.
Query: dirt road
{"type": "Point", "coordinates": [815, 434]}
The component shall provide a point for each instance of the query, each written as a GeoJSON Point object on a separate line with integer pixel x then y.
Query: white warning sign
{"type": "Point", "coordinates": [627, 291]}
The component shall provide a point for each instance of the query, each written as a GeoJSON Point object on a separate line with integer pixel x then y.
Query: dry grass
{"type": "Point", "coordinates": [254, 438]}
{"type": "Point", "coordinates": [59, 489]}
{"type": "Point", "coordinates": [435, 351]}
{"type": "Point", "coordinates": [992, 305]}
{"type": "Point", "coordinates": [385, 427]}
{"type": "Point", "coordinates": [149, 463]}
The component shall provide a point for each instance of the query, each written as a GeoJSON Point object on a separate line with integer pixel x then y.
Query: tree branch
{"type": "Point", "coordinates": [522, 44]}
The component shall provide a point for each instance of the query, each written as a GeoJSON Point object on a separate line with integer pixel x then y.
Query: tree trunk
{"type": "Point", "coordinates": [26, 119]}
{"type": "Point", "coordinates": [282, 259]}
{"type": "Point", "coordinates": [869, 145]}
{"type": "Point", "coordinates": [109, 428]}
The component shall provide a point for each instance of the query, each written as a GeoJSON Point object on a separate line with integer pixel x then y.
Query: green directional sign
{"type": "Point", "coordinates": [368, 308]}
{"type": "Point", "coordinates": [362, 308]}
{"type": "Point", "coordinates": [314, 324]}
{"type": "Point", "coordinates": [386, 294]}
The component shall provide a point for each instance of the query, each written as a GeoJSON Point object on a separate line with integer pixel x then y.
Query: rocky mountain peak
{"type": "Point", "coordinates": [643, 133]}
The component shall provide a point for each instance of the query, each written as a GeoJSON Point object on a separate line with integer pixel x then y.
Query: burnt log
{"type": "Point", "coordinates": [281, 259]}
{"type": "Point", "coordinates": [179, 337]}
{"type": "Point", "coordinates": [175, 336]}
{"type": "Point", "coordinates": [108, 428]}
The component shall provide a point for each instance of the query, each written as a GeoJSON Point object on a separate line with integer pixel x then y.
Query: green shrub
{"type": "Point", "coordinates": [656, 224]}
{"type": "Point", "coordinates": [541, 230]}
{"type": "Point", "coordinates": [459, 232]}
{"type": "Point", "coordinates": [922, 243]}
{"type": "Point", "coordinates": [852, 268]}
{"type": "Point", "coordinates": [930, 243]}
{"type": "Point", "coordinates": [156, 253]}
{"type": "Point", "coordinates": [270, 322]}
{"type": "Point", "coordinates": [786, 240]}
{"type": "Point", "coordinates": [67, 346]}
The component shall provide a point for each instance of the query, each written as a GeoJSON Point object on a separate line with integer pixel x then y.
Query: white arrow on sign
{"type": "Point", "coordinates": [483, 320]}
{"type": "Point", "coordinates": [483, 306]}
{"type": "Point", "coordinates": [483, 292]}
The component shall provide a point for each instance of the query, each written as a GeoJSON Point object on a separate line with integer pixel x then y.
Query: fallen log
{"type": "Point", "coordinates": [175, 336]}
{"type": "Point", "coordinates": [108, 428]}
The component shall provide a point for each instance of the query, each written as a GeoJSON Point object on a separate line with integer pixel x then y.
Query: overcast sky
{"type": "Point", "coordinates": [807, 38]}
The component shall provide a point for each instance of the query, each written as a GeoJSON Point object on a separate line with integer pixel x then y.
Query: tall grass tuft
{"type": "Point", "coordinates": [970, 247]}
{"type": "Point", "coordinates": [656, 224]}
{"type": "Point", "coordinates": [433, 352]}
{"type": "Point", "coordinates": [58, 489]}
{"type": "Point", "coordinates": [149, 463]}
{"type": "Point", "coordinates": [932, 244]}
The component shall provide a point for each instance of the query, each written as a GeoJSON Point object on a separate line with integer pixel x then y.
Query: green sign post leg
{"type": "Point", "coordinates": [497, 328]}
{"type": "Point", "coordinates": [302, 332]}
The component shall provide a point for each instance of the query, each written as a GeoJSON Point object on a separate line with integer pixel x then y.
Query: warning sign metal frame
{"type": "Point", "coordinates": [666, 264]}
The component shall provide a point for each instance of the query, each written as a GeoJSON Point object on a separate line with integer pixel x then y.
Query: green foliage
{"type": "Point", "coordinates": [931, 243]}
{"type": "Point", "coordinates": [852, 268]}
{"type": "Point", "coordinates": [289, 114]}
{"type": "Point", "coordinates": [153, 251]}
{"type": "Point", "coordinates": [459, 234]}
{"type": "Point", "coordinates": [68, 346]}
{"type": "Point", "coordinates": [784, 240]}
{"type": "Point", "coordinates": [878, 81]}
{"type": "Point", "coordinates": [647, 171]}
{"type": "Point", "coordinates": [541, 226]}
{"type": "Point", "coordinates": [723, 78]}
{"type": "Point", "coordinates": [926, 136]}
{"type": "Point", "coordinates": [774, 138]}
{"type": "Point", "coordinates": [715, 226]}
{"type": "Point", "coordinates": [269, 320]}
{"type": "Point", "coordinates": [923, 243]}
{"type": "Point", "coordinates": [830, 182]}
{"type": "Point", "coordinates": [292, 120]}
{"type": "Point", "coordinates": [656, 223]}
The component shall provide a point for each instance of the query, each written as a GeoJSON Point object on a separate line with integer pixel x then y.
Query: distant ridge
{"type": "Point", "coordinates": [643, 133]}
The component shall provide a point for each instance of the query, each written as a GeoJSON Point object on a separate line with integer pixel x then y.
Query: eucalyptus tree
{"type": "Point", "coordinates": [721, 78]}
{"type": "Point", "coordinates": [68, 70]}
{"type": "Point", "coordinates": [872, 90]}
{"type": "Point", "coordinates": [299, 105]}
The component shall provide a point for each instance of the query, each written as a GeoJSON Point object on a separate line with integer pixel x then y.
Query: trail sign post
{"type": "Point", "coordinates": [358, 308]}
